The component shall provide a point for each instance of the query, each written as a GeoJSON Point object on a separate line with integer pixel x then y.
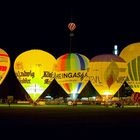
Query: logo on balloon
{"type": "Point", "coordinates": [34, 70]}
{"type": "Point", "coordinates": [107, 73]}
{"type": "Point", "coordinates": [71, 73]}
{"type": "Point", "coordinates": [111, 73]}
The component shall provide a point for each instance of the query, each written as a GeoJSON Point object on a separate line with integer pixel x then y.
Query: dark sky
{"type": "Point", "coordinates": [37, 25]}
{"type": "Point", "coordinates": [100, 25]}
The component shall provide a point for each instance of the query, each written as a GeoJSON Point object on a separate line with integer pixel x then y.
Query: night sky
{"type": "Point", "coordinates": [100, 25]}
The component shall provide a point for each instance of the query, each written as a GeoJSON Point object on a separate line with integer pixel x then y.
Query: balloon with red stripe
{"type": "Point", "coordinates": [72, 26]}
{"type": "Point", "coordinates": [71, 73]}
{"type": "Point", "coordinates": [4, 64]}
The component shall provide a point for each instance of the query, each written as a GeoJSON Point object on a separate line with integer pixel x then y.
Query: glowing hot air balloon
{"type": "Point", "coordinates": [72, 26]}
{"type": "Point", "coordinates": [71, 73]}
{"type": "Point", "coordinates": [131, 55]}
{"type": "Point", "coordinates": [107, 73]}
{"type": "Point", "coordinates": [4, 65]}
{"type": "Point", "coordinates": [34, 70]}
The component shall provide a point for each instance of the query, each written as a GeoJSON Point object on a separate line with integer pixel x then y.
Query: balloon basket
{"type": "Point", "coordinates": [73, 97]}
{"type": "Point", "coordinates": [34, 103]}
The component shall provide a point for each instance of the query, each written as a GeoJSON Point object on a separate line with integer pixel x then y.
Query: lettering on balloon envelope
{"type": "Point", "coordinates": [71, 73]}
{"type": "Point", "coordinates": [35, 71]}
{"type": "Point", "coordinates": [107, 73]}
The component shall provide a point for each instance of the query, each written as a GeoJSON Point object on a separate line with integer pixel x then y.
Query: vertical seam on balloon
{"type": "Point", "coordinates": [81, 62]}
{"type": "Point", "coordinates": [129, 71]}
{"type": "Point", "coordinates": [134, 69]}
{"type": "Point", "coordinates": [78, 88]}
{"type": "Point", "coordinates": [63, 60]}
{"type": "Point", "coordinates": [138, 68]}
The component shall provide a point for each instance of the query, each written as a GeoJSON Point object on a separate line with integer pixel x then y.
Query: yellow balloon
{"type": "Point", "coordinates": [34, 70]}
{"type": "Point", "coordinates": [130, 52]}
{"type": "Point", "coordinates": [4, 65]}
{"type": "Point", "coordinates": [107, 73]}
{"type": "Point", "coordinates": [131, 55]}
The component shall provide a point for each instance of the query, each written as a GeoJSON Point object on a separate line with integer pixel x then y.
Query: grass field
{"type": "Point", "coordinates": [80, 120]}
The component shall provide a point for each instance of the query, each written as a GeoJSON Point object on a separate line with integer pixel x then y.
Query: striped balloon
{"type": "Point", "coordinates": [133, 78]}
{"type": "Point", "coordinates": [4, 65]}
{"type": "Point", "coordinates": [131, 55]}
{"type": "Point", "coordinates": [72, 61]}
{"type": "Point", "coordinates": [71, 73]}
{"type": "Point", "coordinates": [72, 26]}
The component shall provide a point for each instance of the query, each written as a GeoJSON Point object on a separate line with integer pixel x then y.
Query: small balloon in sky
{"type": "Point", "coordinates": [35, 71]}
{"type": "Point", "coordinates": [72, 26]}
{"type": "Point", "coordinates": [4, 65]}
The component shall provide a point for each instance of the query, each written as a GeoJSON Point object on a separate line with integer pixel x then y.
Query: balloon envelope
{"type": "Point", "coordinates": [107, 73]}
{"type": "Point", "coordinates": [130, 52]}
{"type": "Point", "coordinates": [4, 65]}
{"type": "Point", "coordinates": [71, 73]}
{"type": "Point", "coordinates": [131, 55]}
{"type": "Point", "coordinates": [34, 70]}
{"type": "Point", "coordinates": [72, 26]}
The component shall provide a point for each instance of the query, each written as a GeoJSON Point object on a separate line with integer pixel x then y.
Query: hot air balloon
{"type": "Point", "coordinates": [107, 73]}
{"type": "Point", "coordinates": [4, 65]}
{"type": "Point", "coordinates": [71, 73]}
{"type": "Point", "coordinates": [131, 55]}
{"type": "Point", "coordinates": [72, 26]}
{"type": "Point", "coordinates": [34, 70]}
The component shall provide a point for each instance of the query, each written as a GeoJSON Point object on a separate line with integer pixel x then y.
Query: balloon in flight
{"type": "Point", "coordinates": [72, 26]}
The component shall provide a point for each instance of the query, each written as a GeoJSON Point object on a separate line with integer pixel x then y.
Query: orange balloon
{"type": "Point", "coordinates": [72, 26]}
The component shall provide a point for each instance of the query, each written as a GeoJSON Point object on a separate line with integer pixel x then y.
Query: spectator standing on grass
{"type": "Point", "coordinates": [136, 104]}
{"type": "Point", "coordinates": [118, 104]}
{"type": "Point", "coordinates": [122, 103]}
{"type": "Point", "coordinates": [9, 103]}
{"type": "Point", "coordinates": [70, 102]}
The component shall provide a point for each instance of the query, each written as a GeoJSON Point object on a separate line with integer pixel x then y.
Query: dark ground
{"type": "Point", "coordinates": [69, 121]}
